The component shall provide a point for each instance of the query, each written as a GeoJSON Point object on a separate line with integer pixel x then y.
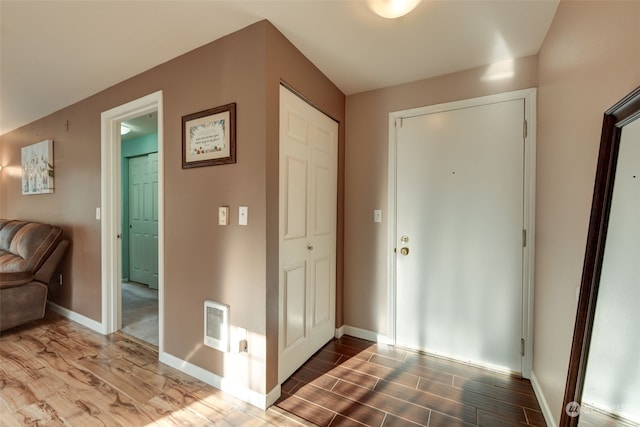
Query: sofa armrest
{"type": "Point", "coordinates": [10, 280]}
{"type": "Point", "coordinates": [49, 267]}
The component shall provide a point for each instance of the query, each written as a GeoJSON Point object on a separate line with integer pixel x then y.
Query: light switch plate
{"type": "Point", "coordinates": [243, 215]}
{"type": "Point", "coordinates": [377, 215]}
{"type": "Point", "coordinates": [223, 215]}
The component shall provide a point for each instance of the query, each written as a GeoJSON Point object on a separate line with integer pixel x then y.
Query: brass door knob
{"type": "Point", "coordinates": [404, 251]}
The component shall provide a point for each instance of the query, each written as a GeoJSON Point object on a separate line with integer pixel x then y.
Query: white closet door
{"type": "Point", "coordinates": [143, 219]}
{"type": "Point", "coordinates": [308, 203]}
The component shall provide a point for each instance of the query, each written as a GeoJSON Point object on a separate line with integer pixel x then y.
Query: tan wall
{"type": "Point", "coordinates": [366, 246]}
{"type": "Point", "coordinates": [233, 264]}
{"type": "Point", "coordinates": [589, 60]}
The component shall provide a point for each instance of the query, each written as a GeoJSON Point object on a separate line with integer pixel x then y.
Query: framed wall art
{"type": "Point", "coordinates": [37, 168]}
{"type": "Point", "coordinates": [209, 137]}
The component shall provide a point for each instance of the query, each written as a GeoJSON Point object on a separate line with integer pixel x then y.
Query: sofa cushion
{"type": "Point", "coordinates": [10, 263]}
{"type": "Point", "coordinates": [8, 230]}
{"type": "Point", "coordinates": [29, 245]}
{"type": "Point", "coordinates": [35, 242]}
{"type": "Point", "coordinates": [9, 280]}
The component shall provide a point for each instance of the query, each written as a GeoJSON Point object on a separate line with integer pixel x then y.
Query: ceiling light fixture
{"type": "Point", "coordinates": [392, 9]}
{"type": "Point", "coordinates": [124, 129]}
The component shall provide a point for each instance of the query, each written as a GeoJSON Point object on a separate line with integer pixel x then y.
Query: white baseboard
{"type": "Point", "coordinates": [76, 317]}
{"type": "Point", "coordinates": [364, 334]}
{"type": "Point", "coordinates": [544, 406]}
{"type": "Point", "coordinates": [262, 401]}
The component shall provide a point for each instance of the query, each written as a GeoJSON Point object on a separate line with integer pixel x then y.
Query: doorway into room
{"type": "Point", "coordinates": [139, 155]}
{"type": "Point", "coordinates": [118, 255]}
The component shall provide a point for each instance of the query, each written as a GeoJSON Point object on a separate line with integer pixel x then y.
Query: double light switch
{"type": "Point", "coordinates": [223, 215]}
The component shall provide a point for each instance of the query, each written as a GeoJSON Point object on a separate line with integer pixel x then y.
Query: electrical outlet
{"type": "Point", "coordinates": [243, 215]}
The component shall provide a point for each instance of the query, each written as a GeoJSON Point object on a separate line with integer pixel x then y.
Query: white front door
{"type": "Point", "coordinates": [143, 219]}
{"type": "Point", "coordinates": [308, 203]}
{"type": "Point", "coordinates": [459, 231]}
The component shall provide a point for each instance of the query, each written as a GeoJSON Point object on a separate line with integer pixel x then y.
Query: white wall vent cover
{"type": "Point", "coordinates": [216, 325]}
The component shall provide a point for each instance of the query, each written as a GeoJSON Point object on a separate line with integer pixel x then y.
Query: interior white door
{"type": "Point", "coordinates": [459, 228]}
{"type": "Point", "coordinates": [143, 219]}
{"type": "Point", "coordinates": [308, 203]}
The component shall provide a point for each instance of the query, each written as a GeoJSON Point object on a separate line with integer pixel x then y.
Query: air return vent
{"type": "Point", "coordinates": [216, 325]}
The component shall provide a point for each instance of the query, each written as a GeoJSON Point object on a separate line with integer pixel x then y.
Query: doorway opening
{"type": "Point", "coordinates": [139, 151]}
{"type": "Point", "coordinates": [132, 182]}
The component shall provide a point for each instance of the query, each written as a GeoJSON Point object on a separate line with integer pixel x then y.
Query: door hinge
{"type": "Point", "coordinates": [524, 238]}
{"type": "Point", "coordinates": [521, 346]}
{"type": "Point", "coordinates": [524, 129]}
{"type": "Point", "coordinates": [398, 122]}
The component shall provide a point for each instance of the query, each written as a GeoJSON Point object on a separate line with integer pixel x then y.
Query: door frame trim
{"type": "Point", "coordinates": [529, 208]}
{"type": "Point", "coordinates": [111, 207]}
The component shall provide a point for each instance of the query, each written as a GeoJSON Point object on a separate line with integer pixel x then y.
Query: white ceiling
{"type": "Point", "coordinates": [55, 53]}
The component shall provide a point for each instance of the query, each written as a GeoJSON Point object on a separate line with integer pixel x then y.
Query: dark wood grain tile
{"type": "Point", "coordinates": [441, 420]}
{"type": "Point", "coordinates": [308, 376]}
{"type": "Point", "coordinates": [342, 421]}
{"type": "Point", "coordinates": [342, 372]}
{"type": "Point", "coordinates": [513, 383]}
{"type": "Point", "coordinates": [415, 389]}
{"type": "Point", "coordinates": [389, 404]}
{"type": "Point", "coordinates": [393, 421]}
{"type": "Point", "coordinates": [535, 418]}
{"type": "Point", "coordinates": [349, 407]}
{"type": "Point", "coordinates": [382, 372]}
{"type": "Point", "coordinates": [451, 367]}
{"type": "Point", "coordinates": [525, 400]}
{"type": "Point", "coordinates": [431, 401]}
{"type": "Point", "coordinates": [414, 369]}
{"type": "Point", "coordinates": [309, 411]}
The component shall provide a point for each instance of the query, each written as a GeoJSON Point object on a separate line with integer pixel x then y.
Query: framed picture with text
{"type": "Point", "coordinates": [209, 137]}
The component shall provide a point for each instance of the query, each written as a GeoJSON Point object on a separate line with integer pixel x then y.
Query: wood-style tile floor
{"type": "Point", "coordinates": [55, 372]}
{"type": "Point", "coordinates": [352, 382]}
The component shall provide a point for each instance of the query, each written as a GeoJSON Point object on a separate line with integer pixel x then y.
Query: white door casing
{"type": "Point", "coordinates": [463, 200]}
{"type": "Point", "coordinates": [308, 216]}
{"type": "Point", "coordinates": [111, 209]}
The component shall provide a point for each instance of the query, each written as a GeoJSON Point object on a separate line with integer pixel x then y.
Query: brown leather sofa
{"type": "Point", "coordinates": [29, 256]}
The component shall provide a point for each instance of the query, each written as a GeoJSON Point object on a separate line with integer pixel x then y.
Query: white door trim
{"type": "Point", "coordinates": [111, 194]}
{"type": "Point", "coordinates": [529, 96]}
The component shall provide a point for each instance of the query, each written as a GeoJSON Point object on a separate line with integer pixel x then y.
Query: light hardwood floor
{"type": "Point", "coordinates": [55, 372]}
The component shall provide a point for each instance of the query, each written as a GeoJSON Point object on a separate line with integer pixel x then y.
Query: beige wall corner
{"type": "Point", "coordinates": [589, 60]}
